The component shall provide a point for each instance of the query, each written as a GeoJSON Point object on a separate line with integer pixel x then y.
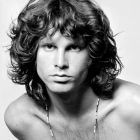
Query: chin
{"type": "Point", "coordinates": [60, 88]}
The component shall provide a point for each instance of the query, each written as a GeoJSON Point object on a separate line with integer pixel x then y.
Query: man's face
{"type": "Point", "coordinates": [62, 63]}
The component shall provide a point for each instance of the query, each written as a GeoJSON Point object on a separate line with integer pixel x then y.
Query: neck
{"type": "Point", "coordinates": [73, 104]}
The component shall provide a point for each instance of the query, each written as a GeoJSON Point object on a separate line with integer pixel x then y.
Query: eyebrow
{"type": "Point", "coordinates": [78, 42]}
{"type": "Point", "coordinates": [43, 44]}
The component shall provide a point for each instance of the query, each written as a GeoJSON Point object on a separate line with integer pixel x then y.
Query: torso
{"type": "Point", "coordinates": [114, 127]}
{"type": "Point", "coordinates": [116, 121]}
{"type": "Point", "coordinates": [111, 126]}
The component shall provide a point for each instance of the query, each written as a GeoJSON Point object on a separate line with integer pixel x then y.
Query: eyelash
{"type": "Point", "coordinates": [76, 47]}
{"type": "Point", "coordinates": [48, 46]}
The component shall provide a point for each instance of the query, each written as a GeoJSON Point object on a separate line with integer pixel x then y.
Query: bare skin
{"type": "Point", "coordinates": [118, 118]}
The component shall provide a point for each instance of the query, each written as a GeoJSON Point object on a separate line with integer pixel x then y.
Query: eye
{"type": "Point", "coordinates": [75, 48]}
{"type": "Point", "coordinates": [49, 47]}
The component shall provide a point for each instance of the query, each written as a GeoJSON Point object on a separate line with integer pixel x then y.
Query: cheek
{"type": "Point", "coordinates": [83, 61]}
{"type": "Point", "coordinates": [82, 65]}
{"type": "Point", "coordinates": [44, 60]}
{"type": "Point", "coordinates": [42, 64]}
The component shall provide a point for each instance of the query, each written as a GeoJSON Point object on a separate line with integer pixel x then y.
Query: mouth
{"type": "Point", "coordinates": [61, 78]}
{"type": "Point", "coordinates": [63, 75]}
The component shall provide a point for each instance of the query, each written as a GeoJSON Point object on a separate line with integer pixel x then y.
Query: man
{"type": "Point", "coordinates": [65, 54]}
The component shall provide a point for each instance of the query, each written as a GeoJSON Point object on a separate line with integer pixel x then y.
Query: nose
{"type": "Point", "coordinates": [61, 60]}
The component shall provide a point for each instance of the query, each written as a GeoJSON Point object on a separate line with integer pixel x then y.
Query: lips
{"type": "Point", "coordinates": [61, 78]}
{"type": "Point", "coordinates": [61, 75]}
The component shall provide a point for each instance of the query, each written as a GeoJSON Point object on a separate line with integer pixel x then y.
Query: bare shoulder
{"type": "Point", "coordinates": [127, 96]}
{"type": "Point", "coordinates": [23, 115]}
{"type": "Point", "coordinates": [19, 114]}
{"type": "Point", "coordinates": [22, 105]}
{"type": "Point", "coordinates": [125, 87]}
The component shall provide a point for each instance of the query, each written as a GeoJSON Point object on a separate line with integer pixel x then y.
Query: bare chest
{"type": "Point", "coordinates": [110, 127]}
{"type": "Point", "coordinates": [105, 131]}
{"type": "Point", "coordinates": [116, 130]}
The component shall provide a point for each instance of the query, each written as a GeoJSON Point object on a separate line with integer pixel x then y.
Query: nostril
{"type": "Point", "coordinates": [61, 66]}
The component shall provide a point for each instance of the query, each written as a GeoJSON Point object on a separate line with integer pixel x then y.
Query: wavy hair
{"type": "Point", "coordinates": [73, 18]}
